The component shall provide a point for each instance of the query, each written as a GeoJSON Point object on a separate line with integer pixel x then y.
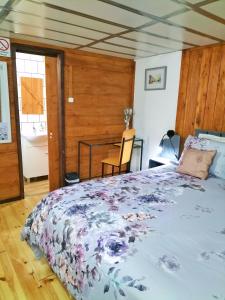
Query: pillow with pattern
{"type": "Point", "coordinates": [218, 166]}
{"type": "Point", "coordinates": [196, 162]}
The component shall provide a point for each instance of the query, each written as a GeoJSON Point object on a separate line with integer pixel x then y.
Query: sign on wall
{"type": "Point", "coordinates": [5, 47]}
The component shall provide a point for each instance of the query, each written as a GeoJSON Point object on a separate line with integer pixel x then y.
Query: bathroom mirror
{"type": "Point", "coordinates": [5, 124]}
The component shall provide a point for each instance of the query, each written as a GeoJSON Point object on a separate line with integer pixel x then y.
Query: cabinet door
{"type": "Point", "coordinates": [53, 111]}
{"type": "Point", "coordinates": [35, 161]}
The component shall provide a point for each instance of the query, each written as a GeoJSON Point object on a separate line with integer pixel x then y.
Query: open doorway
{"type": "Point", "coordinates": [31, 87]}
{"type": "Point", "coordinates": [39, 92]}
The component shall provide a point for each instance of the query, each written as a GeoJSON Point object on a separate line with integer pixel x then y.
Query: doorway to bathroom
{"type": "Point", "coordinates": [31, 87]}
{"type": "Point", "coordinates": [38, 73]}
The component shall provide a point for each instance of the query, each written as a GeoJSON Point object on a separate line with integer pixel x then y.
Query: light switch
{"type": "Point", "coordinates": [70, 100]}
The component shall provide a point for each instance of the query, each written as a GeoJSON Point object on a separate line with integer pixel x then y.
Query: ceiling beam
{"type": "Point", "coordinates": [201, 11]}
{"type": "Point", "coordinates": [6, 9]}
{"type": "Point", "coordinates": [128, 47]}
{"type": "Point", "coordinates": [49, 29]}
{"type": "Point", "coordinates": [39, 37]}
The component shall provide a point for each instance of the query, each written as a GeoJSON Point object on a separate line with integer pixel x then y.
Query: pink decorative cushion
{"type": "Point", "coordinates": [196, 162]}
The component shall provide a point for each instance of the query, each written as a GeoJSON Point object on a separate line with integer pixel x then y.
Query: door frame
{"type": "Point", "coordinates": [30, 49]}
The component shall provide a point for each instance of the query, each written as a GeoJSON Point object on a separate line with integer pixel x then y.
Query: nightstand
{"type": "Point", "coordinates": [159, 161]}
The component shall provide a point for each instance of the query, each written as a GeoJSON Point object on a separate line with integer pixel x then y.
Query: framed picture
{"type": "Point", "coordinates": [5, 121]}
{"type": "Point", "coordinates": [155, 78]}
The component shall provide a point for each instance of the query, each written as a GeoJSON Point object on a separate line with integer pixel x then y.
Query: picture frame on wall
{"type": "Point", "coordinates": [5, 120]}
{"type": "Point", "coordinates": [155, 78]}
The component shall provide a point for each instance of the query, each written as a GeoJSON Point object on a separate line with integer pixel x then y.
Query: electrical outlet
{"type": "Point", "coordinates": [70, 100]}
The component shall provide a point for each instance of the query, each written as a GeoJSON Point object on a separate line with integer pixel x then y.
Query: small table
{"type": "Point", "coordinates": [104, 142]}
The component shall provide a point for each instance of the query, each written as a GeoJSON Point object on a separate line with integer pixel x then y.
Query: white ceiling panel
{"type": "Point", "coordinates": [113, 28]}
{"type": "Point", "coordinates": [139, 46]}
{"type": "Point", "coordinates": [179, 34]}
{"type": "Point", "coordinates": [89, 49]}
{"type": "Point", "coordinates": [35, 39]}
{"type": "Point", "coordinates": [42, 40]}
{"type": "Point", "coordinates": [41, 11]}
{"type": "Point", "coordinates": [142, 37]}
{"type": "Point", "coordinates": [21, 29]}
{"type": "Point", "coordinates": [217, 8]}
{"type": "Point", "coordinates": [102, 10]}
{"type": "Point", "coordinates": [104, 46]}
{"type": "Point", "coordinates": [201, 23]}
{"type": "Point", "coordinates": [54, 25]}
{"type": "Point", "coordinates": [158, 8]}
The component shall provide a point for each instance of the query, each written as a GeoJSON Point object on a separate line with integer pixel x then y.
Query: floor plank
{"type": "Point", "coordinates": [22, 277]}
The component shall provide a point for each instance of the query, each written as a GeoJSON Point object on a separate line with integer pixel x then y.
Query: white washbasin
{"type": "Point", "coordinates": [35, 137]}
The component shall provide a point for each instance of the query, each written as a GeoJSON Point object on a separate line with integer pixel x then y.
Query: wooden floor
{"type": "Point", "coordinates": [21, 275]}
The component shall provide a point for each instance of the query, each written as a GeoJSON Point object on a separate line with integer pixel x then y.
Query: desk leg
{"type": "Point", "coordinates": [142, 142]}
{"type": "Point", "coordinates": [78, 162]}
{"type": "Point", "coordinates": [90, 159]}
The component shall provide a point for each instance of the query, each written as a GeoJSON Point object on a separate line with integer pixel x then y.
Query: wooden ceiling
{"type": "Point", "coordinates": [124, 28]}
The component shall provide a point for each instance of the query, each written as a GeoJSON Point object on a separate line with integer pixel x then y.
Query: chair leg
{"type": "Point", "coordinates": [103, 165]}
{"type": "Point", "coordinates": [119, 169]}
{"type": "Point", "coordinates": [112, 170]}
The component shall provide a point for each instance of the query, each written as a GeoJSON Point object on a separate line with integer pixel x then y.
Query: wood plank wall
{"type": "Point", "coordinates": [9, 169]}
{"type": "Point", "coordinates": [201, 102]}
{"type": "Point", "coordinates": [102, 87]}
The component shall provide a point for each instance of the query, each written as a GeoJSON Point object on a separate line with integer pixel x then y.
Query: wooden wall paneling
{"type": "Point", "coordinates": [53, 121]}
{"type": "Point", "coordinates": [192, 91]}
{"type": "Point", "coordinates": [102, 89]}
{"type": "Point", "coordinates": [181, 106]}
{"type": "Point", "coordinates": [14, 174]}
{"type": "Point", "coordinates": [201, 102]}
{"type": "Point", "coordinates": [219, 110]}
{"type": "Point", "coordinates": [9, 180]}
{"type": "Point", "coordinates": [202, 88]}
{"type": "Point", "coordinates": [212, 87]}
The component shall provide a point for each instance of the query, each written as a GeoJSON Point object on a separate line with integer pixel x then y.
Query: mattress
{"type": "Point", "coordinates": [154, 234]}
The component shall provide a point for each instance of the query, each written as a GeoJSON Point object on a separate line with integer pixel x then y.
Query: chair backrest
{"type": "Point", "coordinates": [127, 145]}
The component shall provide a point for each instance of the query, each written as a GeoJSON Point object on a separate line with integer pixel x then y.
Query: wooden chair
{"type": "Point", "coordinates": [124, 157]}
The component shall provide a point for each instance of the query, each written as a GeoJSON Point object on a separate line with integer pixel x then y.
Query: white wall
{"type": "Point", "coordinates": [155, 111]}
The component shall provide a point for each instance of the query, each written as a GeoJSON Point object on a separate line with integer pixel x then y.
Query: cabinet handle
{"type": "Point", "coordinates": [50, 135]}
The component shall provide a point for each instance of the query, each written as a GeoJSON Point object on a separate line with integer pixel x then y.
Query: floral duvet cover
{"type": "Point", "coordinates": [154, 234]}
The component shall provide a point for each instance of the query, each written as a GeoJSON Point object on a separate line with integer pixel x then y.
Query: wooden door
{"type": "Point", "coordinates": [53, 110]}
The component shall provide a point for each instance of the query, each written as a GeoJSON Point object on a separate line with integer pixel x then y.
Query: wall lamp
{"type": "Point", "coordinates": [168, 136]}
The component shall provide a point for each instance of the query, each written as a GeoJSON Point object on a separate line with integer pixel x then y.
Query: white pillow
{"type": "Point", "coordinates": [212, 137]}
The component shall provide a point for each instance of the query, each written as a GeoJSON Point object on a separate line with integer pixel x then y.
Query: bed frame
{"type": "Point", "coordinates": [217, 133]}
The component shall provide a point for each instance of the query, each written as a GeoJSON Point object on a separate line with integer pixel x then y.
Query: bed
{"type": "Point", "coordinates": [154, 234]}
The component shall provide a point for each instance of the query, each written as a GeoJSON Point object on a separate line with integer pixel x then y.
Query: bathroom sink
{"type": "Point", "coordinates": [35, 137]}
